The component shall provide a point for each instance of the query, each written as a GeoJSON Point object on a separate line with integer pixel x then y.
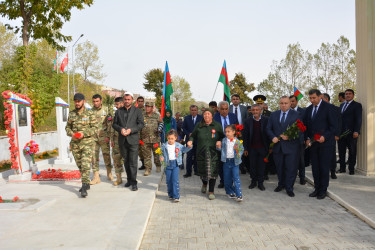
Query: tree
{"type": "Point", "coordinates": [41, 19]}
{"type": "Point", "coordinates": [181, 94]}
{"type": "Point", "coordinates": [87, 61]}
{"type": "Point", "coordinates": [8, 43]}
{"type": "Point", "coordinates": [154, 83]}
{"type": "Point", "coordinates": [240, 86]}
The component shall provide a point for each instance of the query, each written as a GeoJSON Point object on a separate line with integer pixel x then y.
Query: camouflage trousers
{"type": "Point", "coordinates": [83, 156]}
{"type": "Point", "coordinates": [147, 148]}
{"type": "Point", "coordinates": [106, 154]}
{"type": "Point", "coordinates": [118, 161]}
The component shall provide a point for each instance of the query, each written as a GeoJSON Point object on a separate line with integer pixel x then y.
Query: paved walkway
{"type": "Point", "coordinates": [264, 220]}
{"type": "Point", "coordinates": [55, 215]}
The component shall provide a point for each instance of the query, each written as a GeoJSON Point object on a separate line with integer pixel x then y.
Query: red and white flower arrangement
{"type": "Point", "coordinates": [31, 148]}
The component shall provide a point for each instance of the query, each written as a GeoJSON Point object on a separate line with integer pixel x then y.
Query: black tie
{"type": "Point", "coordinates": [283, 118]}
{"type": "Point", "coordinates": [315, 110]}
{"type": "Point", "coordinates": [345, 106]}
{"type": "Point", "coordinates": [235, 111]}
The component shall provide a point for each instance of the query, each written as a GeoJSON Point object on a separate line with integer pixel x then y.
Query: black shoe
{"type": "Point", "coordinates": [127, 184]}
{"type": "Point", "coordinates": [84, 189]}
{"type": "Point", "coordinates": [351, 172]}
{"type": "Point", "coordinates": [261, 187]}
{"type": "Point", "coordinates": [321, 196]}
{"type": "Point", "coordinates": [302, 181]}
{"type": "Point", "coordinates": [341, 171]}
{"type": "Point", "coordinates": [142, 168]}
{"type": "Point", "coordinates": [196, 174]}
{"type": "Point", "coordinates": [266, 178]}
{"type": "Point", "coordinates": [290, 193]}
{"type": "Point", "coordinates": [314, 194]}
{"type": "Point", "coordinates": [182, 167]}
{"type": "Point", "coordinates": [338, 161]}
{"type": "Point", "coordinates": [134, 188]}
{"type": "Point", "coordinates": [243, 171]}
{"type": "Point", "coordinates": [252, 185]}
{"type": "Point", "coordinates": [187, 175]}
{"type": "Point", "coordinates": [87, 188]}
{"type": "Point", "coordinates": [278, 189]}
{"type": "Point", "coordinates": [333, 175]}
{"type": "Point", "coordinates": [221, 185]}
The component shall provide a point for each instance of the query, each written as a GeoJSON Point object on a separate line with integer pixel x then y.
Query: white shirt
{"type": "Point", "coordinates": [171, 152]}
{"type": "Point", "coordinates": [194, 119]}
{"type": "Point", "coordinates": [286, 114]}
{"type": "Point", "coordinates": [222, 121]}
{"type": "Point", "coordinates": [238, 113]}
{"type": "Point", "coordinates": [230, 148]}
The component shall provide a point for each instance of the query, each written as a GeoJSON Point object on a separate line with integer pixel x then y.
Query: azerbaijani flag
{"type": "Point", "coordinates": [64, 63]}
{"type": "Point", "coordinates": [297, 94]}
{"type": "Point", "coordinates": [55, 63]}
{"type": "Point", "coordinates": [167, 91]}
{"type": "Point", "coordinates": [224, 80]}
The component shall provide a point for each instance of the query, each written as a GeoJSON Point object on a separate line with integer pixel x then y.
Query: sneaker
{"type": "Point", "coordinates": [211, 197]}
{"type": "Point", "coordinates": [231, 196]}
{"type": "Point", "coordinates": [239, 199]}
{"type": "Point", "coordinates": [170, 198]}
{"type": "Point", "coordinates": [176, 200]}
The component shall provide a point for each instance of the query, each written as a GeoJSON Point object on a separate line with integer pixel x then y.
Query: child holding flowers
{"type": "Point", "coordinates": [231, 153]}
{"type": "Point", "coordinates": [172, 157]}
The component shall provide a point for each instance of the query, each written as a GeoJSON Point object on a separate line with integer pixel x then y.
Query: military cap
{"type": "Point", "coordinates": [79, 97]}
{"type": "Point", "coordinates": [259, 99]}
{"type": "Point", "coordinates": [150, 104]}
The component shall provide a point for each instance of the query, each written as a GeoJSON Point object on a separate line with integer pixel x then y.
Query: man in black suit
{"type": "Point", "coordinates": [301, 163]}
{"type": "Point", "coordinates": [238, 109]}
{"type": "Point", "coordinates": [351, 119]}
{"type": "Point", "coordinates": [128, 122]}
{"type": "Point", "coordinates": [188, 126]}
{"type": "Point", "coordinates": [321, 122]}
{"type": "Point", "coordinates": [285, 150]}
{"type": "Point", "coordinates": [256, 144]}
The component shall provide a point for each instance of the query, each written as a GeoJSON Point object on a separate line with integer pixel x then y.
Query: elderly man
{"type": "Point", "coordinates": [224, 118]}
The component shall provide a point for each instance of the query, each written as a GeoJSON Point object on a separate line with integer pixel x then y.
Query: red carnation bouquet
{"type": "Point", "coordinates": [314, 139]}
{"type": "Point", "coordinates": [292, 132]}
{"type": "Point", "coordinates": [31, 148]}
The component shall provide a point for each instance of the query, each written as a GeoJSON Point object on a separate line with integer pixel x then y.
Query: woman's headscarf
{"type": "Point", "coordinates": [167, 121]}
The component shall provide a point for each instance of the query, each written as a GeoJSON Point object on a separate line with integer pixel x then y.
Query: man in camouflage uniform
{"type": "Point", "coordinates": [118, 161]}
{"type": "Point", "coordinates": [150, 136]}
{"type": "Point", "coordinates": [140, 105]}
{"type": "Point", "coordinates": [82, 126]}
{"type": "Point", "coordinates": [102, 141]}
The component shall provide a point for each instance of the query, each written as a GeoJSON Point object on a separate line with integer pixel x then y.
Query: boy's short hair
{"type": "Point", "coordinates": [231, 126]}
{"type": "Point", "coordinates": [172, 132]}
{"type": "Point", "coordinates": [118, 99]}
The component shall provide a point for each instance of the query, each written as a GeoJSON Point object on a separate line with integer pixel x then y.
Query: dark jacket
{"type": "Point", "coordinates": [325, 123]}
{"type": "Point", "coordinates": [351, 118]}
{"type": "Point", "coordinates": [134, 122]}
{"type": "Point", "coordinates": [275, 129]}
{"type": "Point", "coordinates": [248, 131]}
{"type": "Point", "coordinates": [232, 119]}
{"type": "Point", "coordinates": [188, 125]}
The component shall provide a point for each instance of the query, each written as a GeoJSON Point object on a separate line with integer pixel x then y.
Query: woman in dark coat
{"type": "Point", "coordinates": [209, 134]}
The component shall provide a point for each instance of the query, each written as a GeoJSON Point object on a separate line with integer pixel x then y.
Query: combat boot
{"type": "Point", "coordinates": [147, 172]}
{"type": "Point", "coordinates": [96, 179]}
{"type": "Point", "coordinates": [84, 190]}
{"type": "Point", "coordinates": [158, 169]}
{"type": "Point", "coordinates": [118, 181]}
{"type": "Point", "coordinates": [109, 174]}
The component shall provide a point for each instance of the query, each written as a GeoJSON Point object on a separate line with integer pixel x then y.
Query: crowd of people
{"type": "Point", "coordinates": [222, 141]}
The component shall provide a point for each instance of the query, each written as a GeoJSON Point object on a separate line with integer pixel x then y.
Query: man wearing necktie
{"type": "Point", "coordinates": [224, 118]}
{"type": "Point", "coordinates": [285, 150]}
{"type": "Point", "coordinates": [351, 117]}
{"type": "Point", "coordinates": [240, 111]}
{"type": "Point", "coordinates": [322, 123]}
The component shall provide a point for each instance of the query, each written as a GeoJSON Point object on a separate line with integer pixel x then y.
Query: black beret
{"type": "Point", "coordinates": [79, 97]}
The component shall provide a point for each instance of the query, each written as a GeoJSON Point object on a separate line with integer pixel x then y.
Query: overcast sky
{"type": "Point", "coordinates": [196, 36]}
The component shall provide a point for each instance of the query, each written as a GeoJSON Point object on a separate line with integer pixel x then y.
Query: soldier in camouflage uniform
{"type": "Point", "coordinates": [81, 126]}
{"type": "Point", "coordinates": [140, 105]}
{"type": "Point", "coordinates": [102, 141]}
{"type": "Point", "coordinates": [150, 136]}
{"type": "Point", "coordinates": [118, 161]}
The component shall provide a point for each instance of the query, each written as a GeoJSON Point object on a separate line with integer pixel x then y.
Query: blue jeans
{"type": "Point", "coordinates": [172, 174]}
{"type": "Point", "coordinates": [232, 181]}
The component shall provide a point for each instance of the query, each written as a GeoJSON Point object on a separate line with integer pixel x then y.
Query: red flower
{"type": "Point", "coordinates": [239, 127]}
{"type": "Point", "coordinates": [1, 201]}
{"type": "Point", "coordinates": [77, 135]}
{"type": "Point", "coordinates": [53, 170]}
{"type": "Point", "coordinates": [156, 145]}
{"type": "Point", "coordinates": [265, 160]}
{"type": "Point", "coordinates": [141, 142]}
{"type": "Point", "coordinates": [316, 137]}
{"type": "Point", "coordinates": [1, 198]}
{"type": "Point", "coordinates": [15, 199]}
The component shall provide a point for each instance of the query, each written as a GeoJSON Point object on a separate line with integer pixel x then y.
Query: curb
{"type": "Point", "coordinates": [346, 205]}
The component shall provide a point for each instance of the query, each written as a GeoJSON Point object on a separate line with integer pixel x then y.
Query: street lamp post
{"type": "Point", "coordinates": [74, 68]}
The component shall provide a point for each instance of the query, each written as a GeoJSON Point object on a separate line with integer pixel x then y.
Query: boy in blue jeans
{"type": "Point", "coordinates": [231, 153]}
{"type": "Point", "coordinates": [172, 159]}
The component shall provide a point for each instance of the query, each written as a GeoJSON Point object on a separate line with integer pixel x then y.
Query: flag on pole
{"type": "Point", "coordinates": [224, 80]}
{"type": "Point", "coordinates": [167, 91]}
{"type": "Point", "coordinates": [55, 62]}
{"type": "Point", "coordinates": [64, 63]}
{"type": "Point", "coordinates": [297, 94]}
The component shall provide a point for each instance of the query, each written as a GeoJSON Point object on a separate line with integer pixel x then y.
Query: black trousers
{"type": "Point", "coordinates": [321, 164]}
{"type": "Point", "coordinates": [333, 160]}
{"type": "Point", "coordinates": [130, 155]}
{"type": "Point", "coordinates": [301, 163]}
{"type": "Point", "coordinates": [350, 143]}
{"type": "Point", "coordinates": [211, 184]}
{"type": "Point", "coordinates": [191, 160]}
{"type": "Point", "coordinates": [257, 165]}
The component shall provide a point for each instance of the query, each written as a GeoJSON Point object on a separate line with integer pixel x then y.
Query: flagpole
{"type": "Point", "coordinates": [68, 78]}
{"type": "Point", "coordinates": [215, 91]}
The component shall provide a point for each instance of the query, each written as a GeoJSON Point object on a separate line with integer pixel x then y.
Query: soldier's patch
{"type": "Point", "coordinates": [85, 119]}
